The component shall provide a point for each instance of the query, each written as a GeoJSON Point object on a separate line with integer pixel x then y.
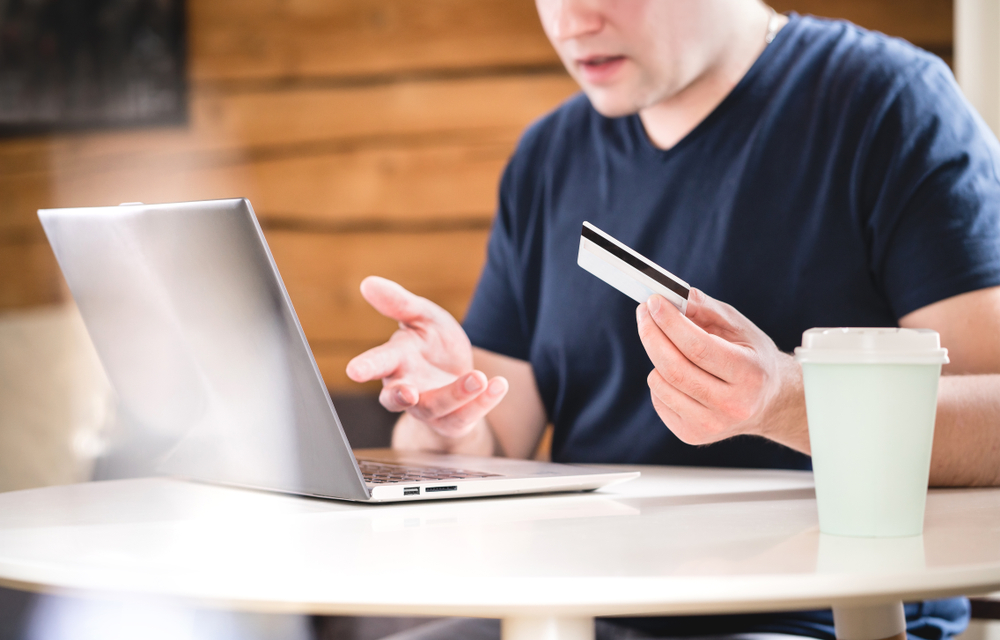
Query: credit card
{"type": "Point", "coordinates": [631, 273]}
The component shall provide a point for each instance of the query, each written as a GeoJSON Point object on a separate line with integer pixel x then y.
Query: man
{"type": "Point", "coordinates": [807, 172]}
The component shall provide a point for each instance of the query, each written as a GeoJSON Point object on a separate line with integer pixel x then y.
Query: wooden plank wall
{"type": "Point", "coordinates": [368, 134]}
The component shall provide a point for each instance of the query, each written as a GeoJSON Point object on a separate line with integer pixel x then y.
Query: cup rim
{"type": "Point", "coordinates": [871, 345]}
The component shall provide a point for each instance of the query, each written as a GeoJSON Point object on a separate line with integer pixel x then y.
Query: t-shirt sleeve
{"type": "Point", "coordinates": [501, 315]}
{"type": "Point", "coordinates": [929, 193]}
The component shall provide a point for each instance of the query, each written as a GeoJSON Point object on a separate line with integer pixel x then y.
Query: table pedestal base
{"type": "Point", "coordinates": [547, 629]}
{"type": "Point", "coordinates": [875, 622]}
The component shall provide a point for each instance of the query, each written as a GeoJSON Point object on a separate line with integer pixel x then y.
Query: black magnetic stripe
{"type": "Point", "coordinates": [634, 262]}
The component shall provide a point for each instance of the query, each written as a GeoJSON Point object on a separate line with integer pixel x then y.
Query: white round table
{"type": "Point", "coordinates": [676, 541]}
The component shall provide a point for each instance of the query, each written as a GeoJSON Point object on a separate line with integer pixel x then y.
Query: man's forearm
{"type": "Point", "coordinates": [413, 435]}
{"type": "Point", "coordinates": [967, 432]}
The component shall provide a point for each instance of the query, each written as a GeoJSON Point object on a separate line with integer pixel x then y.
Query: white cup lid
{"type": "Point", "coordinates": [871, 345]}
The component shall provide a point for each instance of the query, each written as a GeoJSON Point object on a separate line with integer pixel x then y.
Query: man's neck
{"type": "Point", "coordinates": [667, 122]}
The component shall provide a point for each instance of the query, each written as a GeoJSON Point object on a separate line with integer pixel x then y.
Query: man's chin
{"type": "Point", "coordinates": [609, 105]}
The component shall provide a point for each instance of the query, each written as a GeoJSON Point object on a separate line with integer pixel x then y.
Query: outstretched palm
{"type": "Point", "coordinates": [426, 367]}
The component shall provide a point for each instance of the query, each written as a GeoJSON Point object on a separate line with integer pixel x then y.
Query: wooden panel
{"type": "Point", "coordinates": [25, 155]}
{"type": "Point", "coordinates": [435, 143]}
{"type": "Point", "coordinates": [20, 198]}
{"type": "Point", "coordinates": [414, 152]}
{"type": "Point", "coordinates": [30, 276]}
{"type": "Point", "coordinates": [406, 185]}
{"type": "Point", "coordinates": [369, 188]}
{"type": "Point", "coordinates": [926, 23]}
{"type": "Point", "coordinates": [268, 39]}
{"type": "Point", "coordinates": [323, 271]}
{"type": "Point", "coordinates": [362, 187]}
{"type": "Point", "coordinates": [238, 125]}
{"type": "Point", "coordinates": [225, 120]}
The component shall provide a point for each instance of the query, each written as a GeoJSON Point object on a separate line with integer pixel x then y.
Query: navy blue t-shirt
{"type": "Point", "coordinates": [843, 182]}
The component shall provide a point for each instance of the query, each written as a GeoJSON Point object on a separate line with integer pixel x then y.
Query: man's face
{"type": "Point", "coordinates": [631, 54]}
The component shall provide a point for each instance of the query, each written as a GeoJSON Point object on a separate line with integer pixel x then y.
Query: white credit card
{"type": "Point", "coordinates": [631, 273]}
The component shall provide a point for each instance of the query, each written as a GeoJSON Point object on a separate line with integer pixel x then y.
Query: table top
{"type": "Point", "coordinates": [677, 540]}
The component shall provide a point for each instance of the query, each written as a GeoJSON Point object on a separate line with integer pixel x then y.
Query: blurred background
{"type": "Point", "coordinates": [369, 135]}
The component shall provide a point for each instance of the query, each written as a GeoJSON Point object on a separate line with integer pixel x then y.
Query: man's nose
{"type": "Point", "coordinates": [569, 19]}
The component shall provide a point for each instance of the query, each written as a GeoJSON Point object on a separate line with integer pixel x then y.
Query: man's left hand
{"type": "Point", "coordinates": [716, 375]}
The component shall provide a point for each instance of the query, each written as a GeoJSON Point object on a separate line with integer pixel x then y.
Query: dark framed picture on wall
{"type": "Point", "coordinates": [88, 64]}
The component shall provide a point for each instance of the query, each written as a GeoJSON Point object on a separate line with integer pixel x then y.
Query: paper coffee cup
{"type": "Point", "coordinates": [871, 400]}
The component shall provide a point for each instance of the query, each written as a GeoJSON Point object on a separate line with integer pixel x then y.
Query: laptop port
{"type": "Point", "coordinates": [411, 491]}
{"type": "Point", "coordinates": [447, 488]}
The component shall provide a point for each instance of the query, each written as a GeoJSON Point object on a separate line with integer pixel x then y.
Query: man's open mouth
{"type": "Point", "coordinates": [596, 62]}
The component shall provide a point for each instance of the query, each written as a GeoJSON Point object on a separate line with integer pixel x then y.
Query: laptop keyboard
{"type": "Point", "coordinates": [388, 473]}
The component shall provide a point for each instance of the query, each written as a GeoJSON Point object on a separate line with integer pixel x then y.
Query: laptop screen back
{"type": "Point", "coordinates": [199, 339]}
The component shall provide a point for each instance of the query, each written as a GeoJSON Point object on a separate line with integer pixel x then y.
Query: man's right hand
{"type": "Point", "coordinates": [426, 366]}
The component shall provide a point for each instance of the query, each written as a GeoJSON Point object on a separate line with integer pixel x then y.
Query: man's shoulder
{"type": "Point", "coordinates": [850, 58]}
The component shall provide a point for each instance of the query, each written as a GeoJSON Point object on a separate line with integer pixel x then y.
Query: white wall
{"type": "Point", "coordinates": [977, 56]}
{"type": "Point", "coordinates": [55, 401]}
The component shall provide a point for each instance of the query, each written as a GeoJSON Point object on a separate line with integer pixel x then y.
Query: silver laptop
{"type": "Point", "coordinates": [198, 336]}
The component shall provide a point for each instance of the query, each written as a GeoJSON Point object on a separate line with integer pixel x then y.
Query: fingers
{"type": "Point", "coordinates": [398, 397]}
{"type": "Point", "coordinates": [674, 367]}
{"type": "Point", "coordinates": [716, 373]}
{"type": "Point", "coordinates": [667, 415]}
{"type": "Point", "coordinates": [419, 364]}
{"type": "Point", "coordinates": [435, 403]}
{"type": "Point", "coordinates": [378, 362]}
{"type": "Point", "coordinates": [461, 420]}
{"type": "Point", "coordinates": [687, 418]}
{"type": "Point", "coordinates": [706, 351]}
{"type": "Point", "coordinates": [452, 409]}
{"type": "Point", "coordinates": [393, 301]}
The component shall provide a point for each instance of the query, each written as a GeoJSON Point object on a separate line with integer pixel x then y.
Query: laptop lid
{"type": "Point", "coordinates": [198, 336]}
